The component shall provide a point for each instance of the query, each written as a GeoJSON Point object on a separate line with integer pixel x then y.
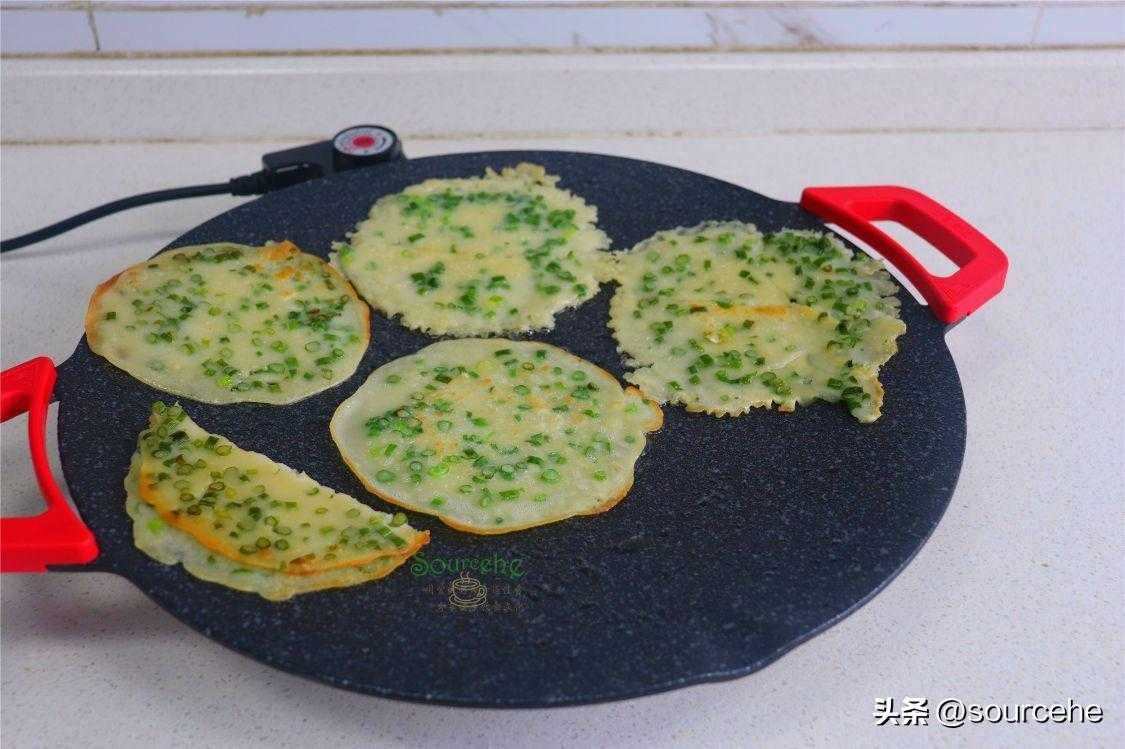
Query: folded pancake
{"type": "Point", "coordinates": [169, 545]}
{"type": "Point", "coordinates": [263, 515]}
{"type": "Point", "coordinates": [482, 255]}
{"type": "Point", "coordinates": [722, 319]}
{"type": "Point", "coordinates": [226, 323]}
{"type": "Point", "coordinates": [495, 435]}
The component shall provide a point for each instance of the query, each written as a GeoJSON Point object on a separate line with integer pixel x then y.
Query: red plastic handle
{"type": "Point", "coordinates": [57, 535]}
{"type": "Point", "coordinates": [981, 265]}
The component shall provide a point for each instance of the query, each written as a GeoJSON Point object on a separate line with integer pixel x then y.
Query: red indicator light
{"type": "Point", "coordinates": [364, 145]}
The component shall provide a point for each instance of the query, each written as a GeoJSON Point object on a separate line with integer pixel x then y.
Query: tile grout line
{"type": "Point", "coordinates": [264, 6]}
{"type": "Point", "coordinates": [530, 135]}
{"type": "Point", "coordinates": [93, 25]}
{"type": "Point", "coordinates": [1038, 22]}
{"type": "Point", "coordinates": [548, 51]}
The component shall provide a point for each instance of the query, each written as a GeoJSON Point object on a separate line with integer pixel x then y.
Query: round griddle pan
{"type": "Point", "coordinates": [741, 538]}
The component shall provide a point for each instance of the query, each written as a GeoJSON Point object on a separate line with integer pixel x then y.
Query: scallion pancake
{"type": "Point", "coordinates": [721, 319]}
{"type": "Point", "coordinates": [494, 254]}
{"type": "Point", "coordinates": [169, 545]}
{"type": "Point", "coordinates": [226, 323]}
{"type": "Point", "coordinates": [245, 507]}
{"type": "Point", "coordinates": [493, 435]}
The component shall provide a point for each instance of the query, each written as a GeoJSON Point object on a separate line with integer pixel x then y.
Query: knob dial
{"type": "Point", "coordinates": [364, 145]}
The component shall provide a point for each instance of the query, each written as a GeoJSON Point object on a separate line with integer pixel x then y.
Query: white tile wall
{"type": "Point", "coordinates": [188, 26]}
{"type": "Point", "coordinates": [45, 31]}
{"type": "Point", "coordinates": [1071, 24]}
{"type": "Point", "coordinates": [539, 96]}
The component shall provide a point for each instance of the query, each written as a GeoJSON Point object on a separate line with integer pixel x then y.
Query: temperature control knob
{"type": "Point", "coordinates": [364, 145]}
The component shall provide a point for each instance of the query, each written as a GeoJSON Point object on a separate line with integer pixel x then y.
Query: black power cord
{"type": "Point", "coordinates": [257, 183]}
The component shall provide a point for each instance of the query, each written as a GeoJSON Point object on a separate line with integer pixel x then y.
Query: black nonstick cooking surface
{"type": "Point", "coordinates": [740, 539]}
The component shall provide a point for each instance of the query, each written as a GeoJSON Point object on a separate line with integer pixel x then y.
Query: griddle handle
{"type": "Point", "coordinates": [57, 535]}
{"type": "Point", "coordinates": [981, 265]}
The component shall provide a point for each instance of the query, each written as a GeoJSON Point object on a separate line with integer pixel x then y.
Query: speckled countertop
{"type": "Point", "coordinates": [1015, 599]}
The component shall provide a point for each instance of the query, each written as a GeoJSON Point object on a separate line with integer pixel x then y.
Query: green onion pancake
{"type": "Point", "coordinates": [244, 507]}
{"type": "Point", "coordinates": [169, 545]}
{"type": "Point", "coordinates": [492, 254]}
{"type": "Point", "coordinates": [722, 319]}
{"type": "Point", "coordinates": [226, 323]}
{"type": "Point", "coordinates": [495, 435]}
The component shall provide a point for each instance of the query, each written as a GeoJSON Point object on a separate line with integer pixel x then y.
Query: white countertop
{"type": "Point", "coordinates": [1016, 598]}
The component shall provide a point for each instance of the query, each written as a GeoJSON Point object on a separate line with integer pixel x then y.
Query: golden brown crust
{"type": "Point", "coordinates": [657, 420]}
{"type": "Point", "coordinates": [100, 290]}
{"type": "Point", "coordinates": [230, 551]}
{"type": "Point", "coordinates": [272, 251]}
{"type": "Point", "coordinates": [170, 547]}
{"type": "Point", "coordinates": [280, 250]}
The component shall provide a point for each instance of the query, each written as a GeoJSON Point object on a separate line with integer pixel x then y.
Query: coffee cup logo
{"type": "Point", "coordinates": [467, 592]}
